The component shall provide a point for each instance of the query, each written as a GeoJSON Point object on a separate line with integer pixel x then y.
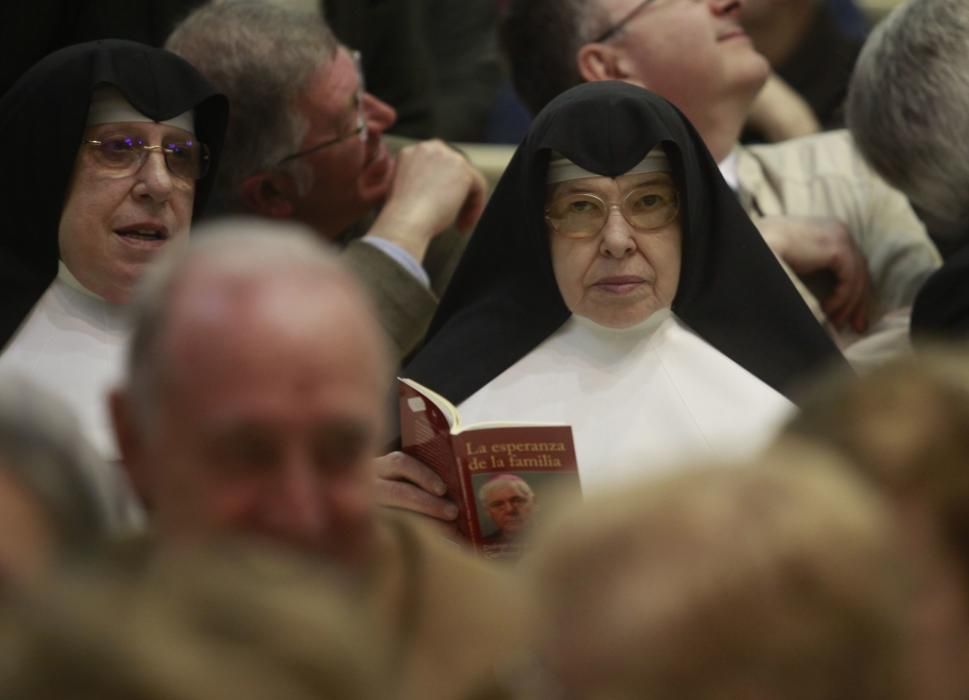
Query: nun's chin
{"type": "Point", "coordinates": [619, 318]}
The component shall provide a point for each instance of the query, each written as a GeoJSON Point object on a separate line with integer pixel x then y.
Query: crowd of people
{"type": "Point", "coordinates": [232, 224]}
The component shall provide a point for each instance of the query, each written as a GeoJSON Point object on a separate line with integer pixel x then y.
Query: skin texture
{"type": "Point", "coordinates": [621, 276]}
{"type": "Point", "coordinates": [267, 420]}
{"type": "Point", "coordinates": [100, 204]}
{"type": "Point", "coordinates": [424, 190]}
{"type": "Point", "coordinates": [351, 177]}
{"type": "Point", "coordinates": [712, 81]}
{"type": "Point", "coordinates": [26, 542]}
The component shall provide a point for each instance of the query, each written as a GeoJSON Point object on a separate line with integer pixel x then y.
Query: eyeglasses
{"type": "Point", "coordinates": [360, 125]}
{"type": "Point", "coordinates": [125, 155]}
{"type": "Point", "coordinates": [617, 27]}
{"type": "Point", "coordinates": [646, 207]}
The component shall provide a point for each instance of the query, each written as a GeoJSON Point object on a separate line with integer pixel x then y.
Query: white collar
{"type": "Point", "coordinates": [728, 168]}
{"type": "Point", "coordinates": [68, 278]}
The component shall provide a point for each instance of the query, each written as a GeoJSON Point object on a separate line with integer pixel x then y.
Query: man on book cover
{"type": "Point", "coordinates": [509, 502]}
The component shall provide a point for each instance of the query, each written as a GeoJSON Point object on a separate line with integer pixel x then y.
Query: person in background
{"type": "Point", "coordinates": [305, 143]}
{"type": "Point", "coordinates": [915, 63]}
{"type": "Point", "coordinates": [115, 151]}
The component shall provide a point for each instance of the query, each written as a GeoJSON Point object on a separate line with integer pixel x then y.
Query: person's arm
{"type": "Point", "coordinates": [434, 187]}
{"type": "Point", "coordinates": [434, 190]}
{"type": "Point", "coordinates": [812, 245]}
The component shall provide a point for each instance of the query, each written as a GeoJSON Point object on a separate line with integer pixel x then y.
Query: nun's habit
{"type": "Point", "coordinates": [714, 375]}
{"type": "Point", "coordinates": [51, 328]}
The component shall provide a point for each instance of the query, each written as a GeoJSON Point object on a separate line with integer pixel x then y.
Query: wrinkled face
{"type": "Point", "coordinates": [621, 275]}
{"type": "Point", "coordinates": [114, 223]}
{"type": "Point", "coordinates": [692, 52]}
{"type": "Point", "coordinates": [269, 417]}
{"type": "Point", "coordinates": [510, 506]}
{"type": "Point", "coordinates": [351, 177]}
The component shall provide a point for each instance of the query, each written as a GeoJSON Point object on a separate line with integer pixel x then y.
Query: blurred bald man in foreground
{"type": "Point", "coordinates": [254, 404]}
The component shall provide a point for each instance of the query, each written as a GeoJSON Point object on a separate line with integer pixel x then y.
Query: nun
{"type": "Point", "coordinates": [615, 284]}
{"type": "Point", "coordinates": [111, 147]}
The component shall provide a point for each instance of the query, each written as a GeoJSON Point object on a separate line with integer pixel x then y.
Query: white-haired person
{"type": "Point", "coordinates": [908, 110]}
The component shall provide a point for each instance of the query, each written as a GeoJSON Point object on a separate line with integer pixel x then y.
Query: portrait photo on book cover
{"type": "Point", "coordinates": [507, 504]}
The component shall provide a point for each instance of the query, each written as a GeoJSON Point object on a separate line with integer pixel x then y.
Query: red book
{"type": "Point", "coordinates": [498, 474]}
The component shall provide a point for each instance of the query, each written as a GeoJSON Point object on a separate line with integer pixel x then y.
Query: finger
{"type": "Point", "coordinates": [860, 319]}
{"type": "Point", "coordinates": [399, 466]}
{"type": "Point", "coordinates": [854, 311]}
{"type": "Point", "coordinates": [405, 496]}
{"type": "Point", "coordinates": [474, 204]}
{"type": "Point", "coordinates": [837, 305]}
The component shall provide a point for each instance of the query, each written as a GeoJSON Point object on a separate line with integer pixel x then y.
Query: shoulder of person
{"type": "Point", "coordinates": [826, 154]}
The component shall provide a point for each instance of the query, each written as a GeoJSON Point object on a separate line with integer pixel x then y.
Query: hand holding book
{"type": "Point", "coordinates": [493, 472]}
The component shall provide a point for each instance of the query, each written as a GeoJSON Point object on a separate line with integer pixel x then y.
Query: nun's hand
{"type": "Point", "coordinates": [409, 484]}
{"type": "Point", "coordinates": [434, 187]}
{"type": "Point", "coordinates": [811, 245]}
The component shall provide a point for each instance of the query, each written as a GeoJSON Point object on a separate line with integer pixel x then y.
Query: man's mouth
{"type": "Point", "coordinates": [732, 33]}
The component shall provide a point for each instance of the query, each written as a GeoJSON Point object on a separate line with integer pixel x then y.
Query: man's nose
{"type": "Point", "coordinates": [724, 7]}
{"type": "Point", "coordinates": [617, 235]}
{"type": "Point", "coordinates": [379, 115]}
{"type": "Point", "coordinates": [294, 510]}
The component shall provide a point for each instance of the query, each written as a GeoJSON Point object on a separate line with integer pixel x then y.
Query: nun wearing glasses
{"type": "Point", "coordinates": [110, 150]}
{"type": "Point", "coordinates": [615, 284]}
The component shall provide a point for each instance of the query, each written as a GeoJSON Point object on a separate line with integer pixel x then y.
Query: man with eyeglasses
{"type": "Point", "coordinates": [853, 245]}
{"type": "Point", "coordinates": [305, 143]}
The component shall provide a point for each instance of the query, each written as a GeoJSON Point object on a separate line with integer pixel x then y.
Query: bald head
{"type": "Point", "coordinates": [256, 389]}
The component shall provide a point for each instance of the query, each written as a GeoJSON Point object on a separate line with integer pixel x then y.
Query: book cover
{"type": "Point", "coordinates": [497, 473]}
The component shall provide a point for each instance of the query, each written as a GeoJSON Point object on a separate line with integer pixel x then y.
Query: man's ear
{"type": "Point", "coordinates": [131, 444]}
{"type": "Point", "coordinates": [269, 194]}
{"type": "Point", "coordinates": [604, 62]}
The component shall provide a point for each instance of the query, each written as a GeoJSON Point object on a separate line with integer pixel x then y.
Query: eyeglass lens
{"type": "Point", "coordinates": [583, 214]}
{"type": "Point", "coordinates": [185, 159]}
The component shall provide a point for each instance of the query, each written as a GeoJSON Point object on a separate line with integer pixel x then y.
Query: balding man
{"type": "Point", "coordinates": [254, 404]}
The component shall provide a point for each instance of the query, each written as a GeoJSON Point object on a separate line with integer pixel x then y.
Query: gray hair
{"type": "Point", "coordinates": [43, 449]}
{"type": "Point", "coordinates": [239, 245]}
{"type": "Point", "coordinates": [511, 479]}
{"type": "Point", "coordinates": [261, 55]}
{"type": "Point", "coordinates": [541, 40]}
{"type": "Point", "coordinates": [908, 104]}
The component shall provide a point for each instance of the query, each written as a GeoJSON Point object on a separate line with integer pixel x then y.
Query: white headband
{"type": "Point", "coordinates": [561, 169]}
{"type": "Point", "coordinates": [109, 106]}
